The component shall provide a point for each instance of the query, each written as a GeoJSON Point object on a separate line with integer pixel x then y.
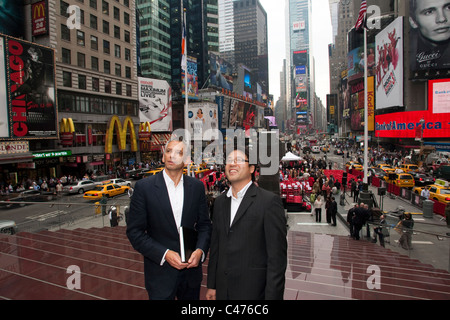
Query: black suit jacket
{"type": "Point", "coordinates": [248, 259]}
{"type": "Point", "coordinates": [152, 230]}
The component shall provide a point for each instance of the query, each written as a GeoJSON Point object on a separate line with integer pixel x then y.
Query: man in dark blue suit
{"type": "Point", "coordinates": [159, 206]}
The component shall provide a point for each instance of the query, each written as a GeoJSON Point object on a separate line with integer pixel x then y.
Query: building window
{"type": "Point", "coordinates": [117, 51]}
{"type": "Point", "coordinates": [80, 38]}
{"type": "Point", "coordinates": [82, 82]}
{"type": "Point", "coordinates": [93, 22]}
{"type": "Point", "coordinates": [66, 56]}
{"type": "Point", "coordinates": [94, 43]}
{"type": "Point", "coordinates": [81, 60]}
{"type": "Point", "coordinates": [106, 67]}
{"type": "Point", "coordinates": [106, 48]}
{"type": "Point", "coordinates": [118, 70]}
{"type": "Point", "coordinates": [96, 84]}
{"type": "Point", "coordinates": [105, 7]}
{"type": "Point", "coordinates": [65, 32]}
{"type": "Point", "coordinates": [63, 8]}
{"type": "Point", "coordinates": [107, 86]}
{"type": "Point", "coordinates": [67, 79]}
{"type": "Point", "coordinates": [94, 63]}
{"type": "Point", "coordinates": [93, 4]}
{"type": "Point", "coordinates": [126, 18]}
{"type": "Point", "coordinates": [128, 89]}
{"type": "Point", "coordinates": [118, 88]}
{"type": "Point", "coordinates": [116, 32]}
{"type": "Point", "coordinates": [127, 36]}
{"type": "Point", "coordinates": [128, 72]}
{"type": "Point", "coordinates": [105, 27]}
{"type": "Point", "coordinates": [116, 13]}
{"type": "Point", "coordinates": [127, 54]}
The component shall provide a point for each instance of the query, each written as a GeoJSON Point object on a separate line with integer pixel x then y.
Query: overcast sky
{"type": "Point", "coordinates": [321, 30]}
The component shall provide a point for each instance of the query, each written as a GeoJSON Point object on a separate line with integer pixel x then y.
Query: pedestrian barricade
{"type": "Point", "coordinates": [417, 199]}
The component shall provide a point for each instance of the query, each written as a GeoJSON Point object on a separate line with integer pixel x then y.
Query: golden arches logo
{"type": "Point", "coordinates": [144, 131]}
{"type": "Point", "coordinates": [66, 126]}
{"type": "Point", "coordinates": [39, 10]}
{"type": "Point", "coordinates": [121, 132]}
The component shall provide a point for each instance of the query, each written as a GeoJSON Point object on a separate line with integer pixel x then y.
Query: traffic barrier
{"type": "Point", "coordinates": [439, 208]}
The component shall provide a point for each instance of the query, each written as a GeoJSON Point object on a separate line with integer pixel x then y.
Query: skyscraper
{"type": "Point", "coordinates": [251, 40]}
{"type": "Point", "coordinates": [299, 82]}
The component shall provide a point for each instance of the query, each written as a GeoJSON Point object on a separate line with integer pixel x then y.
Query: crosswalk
{"type": "Point", "coordinates": [46, 216]}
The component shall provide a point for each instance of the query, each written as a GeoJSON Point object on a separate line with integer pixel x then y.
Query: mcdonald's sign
{"type": "Point", "coordinates": [39, 25]}
{"type": "Point", "coordinates": [66, 129]}
{"type": "Point", "coordinates": [121, 132]}
{"type": "Point", "coordinates": [144, 131]}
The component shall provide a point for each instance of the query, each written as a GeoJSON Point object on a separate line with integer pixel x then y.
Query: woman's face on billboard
{"type": "Point", "coordinates": [432, 18]}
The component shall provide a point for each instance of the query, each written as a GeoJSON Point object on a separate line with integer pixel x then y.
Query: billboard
{"type": "Point", "coordinates": [357, 105]}
{"type": "Point", "coordinates": [439, 96]}
{"type": "Point", "coordinates": [39, 18]}
{"type": "Point", "coordinates": [4, 125]}
{"type": "Point", "coordinates": [429, 39]}
{"type": "Point", "coordinates": [355, 62]}
{"type": "Point", "coordinates": [31, 92]}
{"type": "Point", "coordinates": [405, 124]}
{"type": "Point", "coordinates": [221, 72]}
{"type": "Point", "coordinates": [192, 82]}
{"type": "Point", "coordinates": [201, 118]}
{"type": "Point", "coordinates": [155, 104]}
{"type": "Point", "coordinates": [300, 58]}
{"type": "Point", "coordinates": [389, 65]}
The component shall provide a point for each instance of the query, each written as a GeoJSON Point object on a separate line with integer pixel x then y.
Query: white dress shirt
{"type": "Point", "coordinates": [235, 202]}
{"type": "Point", "coordinates": [176, 196]}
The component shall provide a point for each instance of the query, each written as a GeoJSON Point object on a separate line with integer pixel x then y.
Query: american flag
{"type": "Point", "coordinates": [361, 22]}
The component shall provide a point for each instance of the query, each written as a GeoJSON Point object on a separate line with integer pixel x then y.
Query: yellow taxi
{"type": "Point", "coordinates": [197, 170]}
{"type": "Point", "coordinates": [385, 167]}
{"type": "Point", "coordinates": [354, 165]}
{"type": "Point", "coordinates": [110, 190]}
{"type": "Point", "coordinates": [440, 191]}
{"type": "Point", "coordinates": [403, 180]}
{"type": "Point", "coordinates": [409, 168]}
{"type": "Point", "coordinates": [153, 172]}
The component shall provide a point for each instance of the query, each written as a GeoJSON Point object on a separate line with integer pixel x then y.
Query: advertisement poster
{"type": "Point", "coordinates": [155, 104]}
{"type": "Point", "coordinates": [439, 96]}
{"type": "Point", "coordinates": [192, 82]}
{"type": "Point", "coordinates": [201, 118]}
{"type": "Point", "coordinates": [31, 90]}
{"type": "Point", "coordinates": [357, 105]}
{"type": "Point", "coordinates": [429, 39]}
{"type": "Point", "coordinates": [389, 65]}
{"type": "Point", "coordinates": [221, 72]}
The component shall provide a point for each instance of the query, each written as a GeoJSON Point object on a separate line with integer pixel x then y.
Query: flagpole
{"type": "Point", "coordinates": [366, 122]}
{"type": "Point", "coordinates": [186, 93]}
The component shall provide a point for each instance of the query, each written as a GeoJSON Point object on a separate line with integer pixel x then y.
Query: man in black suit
{"type": "Point", "coordinates": [159, 206]}
{"type": "Point", "coordinates": [248, 254]}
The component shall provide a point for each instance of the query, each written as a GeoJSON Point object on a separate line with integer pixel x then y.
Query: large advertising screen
{"type": "Point", "coordinates": [429, 38]}
{"type": "Point", "coordinates": [12, 18]}
{"type": "Point", "coordinates": [405, 124]}
{"type": "Point", "coordinates": [389, 65]}
{"type": "Point", "coordinates": [155, 104]}
{"type": "Point", "coordinates": [357, 105]}
{"type": "Point", "coordinates": [221, 72]}
{"type": "Point", "coordinates": [30, 80]}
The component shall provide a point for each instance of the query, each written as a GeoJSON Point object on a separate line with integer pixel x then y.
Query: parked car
{"type": "Point", "coordinates": [423, 179]}
{"type": "Point", "coordinates": [339, 152]}
{"type": "Point", "coordinates": [135, 174]}
{"type": "Point", "coordinates": [110, 190]}
{"type": "Point", "coordinates": [80, 187]}
{"type": "Point", "coordinates": [8, 227]}
{"type": "Point", "coordinates": [26, 196]}
{"type": "Point", "coordinates": [118, 181]}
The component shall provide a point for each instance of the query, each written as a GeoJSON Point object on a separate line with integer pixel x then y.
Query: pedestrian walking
{"type": "Point", "coordinates": [318, 208]}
